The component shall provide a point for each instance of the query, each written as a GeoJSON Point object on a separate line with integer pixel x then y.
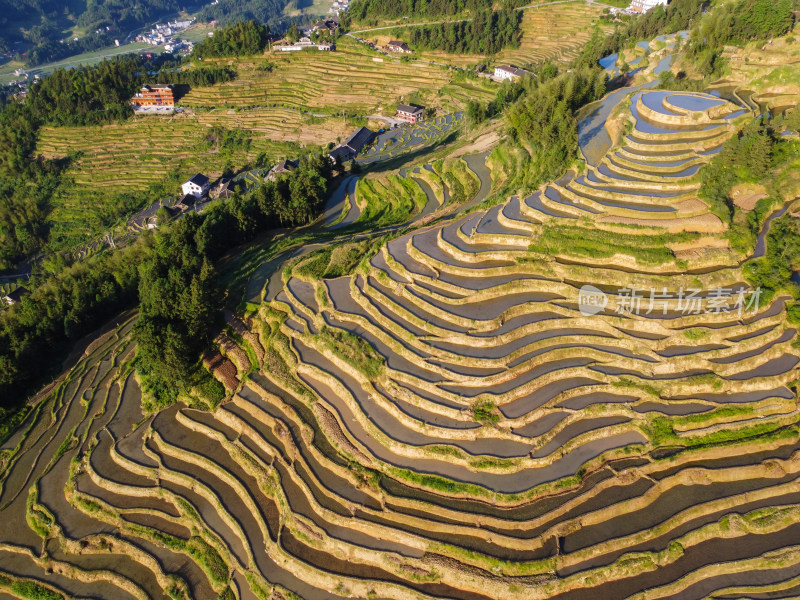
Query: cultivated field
{"type": "Point", "coordinates": [447, 393]}
{"type": "Point", "coordinates": [352, 79]}
{"type": "Point", "coordinates": [428, 413]}
{"type": "Point", "coordinates": [130, 157]}
{"type": "Point", "coordinates": [550, 32]}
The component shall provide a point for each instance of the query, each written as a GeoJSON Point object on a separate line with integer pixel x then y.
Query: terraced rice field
{"type": "Point", "coordinates": [766, 75]}
{"type": "Point", "coordinates": [448, 421]}
{"type": "Point", "coordinates": [549, 32]}
{"type": "Point", "coordinates": [556, 33]}
{"type": "Point", "coordinates": [133, 155]}
{"type": "Point", "coordinates": [351, 79]}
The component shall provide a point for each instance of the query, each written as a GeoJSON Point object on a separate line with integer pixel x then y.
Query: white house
{"type": "Point", "coordinates": [507, 73]}
{"type": "Point", "coordinates": [412, 114]}
{"type": "Point", "coordinates": [642, 6]}
{"type": "Point", "coordinates": [197, 186]}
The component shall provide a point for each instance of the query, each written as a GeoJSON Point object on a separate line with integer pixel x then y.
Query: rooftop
{"type": "Point", "coordinates": [409, 109]}
{"type": "Point", "coordinates": [198, 179]}
{"type": "Point", "coordinates": [360, 138]}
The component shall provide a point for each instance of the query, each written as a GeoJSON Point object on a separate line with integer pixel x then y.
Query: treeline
{"type": "Point", "coordinates": [735, 23]}
{"type": "Point", "coordinates": [169, 274]}
{"type": "Point", "coordinates": [82, 96]}
{"type": "Point", "coordinates": [269, 12]}
{"type": "Point", "coordinates": [487, 33]}
{"type": "Point", "coordinates": [193, 77]}
{"type": "Point", "coordinates": [373, 10]}
{"type": "Point", "coordinates": [676, 16]}
{"type": "Point", "coordinates": [755, 155]}
{"type": "Point", "coordinates": [543, 121]}
{"type": "Point", "coordinates": [244, 38]}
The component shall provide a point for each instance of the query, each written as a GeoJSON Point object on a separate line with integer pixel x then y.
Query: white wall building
{"type": "Point", "coordinates": [197, 186]}
{"type": "Point", "coordinates": [505, 72]}
{"type": "Point", "coordinates": [645, 5]}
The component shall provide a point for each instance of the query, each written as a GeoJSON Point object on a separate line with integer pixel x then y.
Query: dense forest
{"type": "Point", "coordinates": [487, 33]}
{"type": "Point", "coordinates": [543, 121]}
{"type": "Point", "coordinates": [67, 97]}
{"type": "Point", "coordinates": [169, 274]}
{"type": "Point", "coordinates": [244, 38]}
{"type": "Point", "coordinates": [367, 11]}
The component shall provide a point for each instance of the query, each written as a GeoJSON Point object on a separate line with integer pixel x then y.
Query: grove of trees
{"type": "Point", "coordinates": [487, 33]}
{"type": "Point", "coordinates": [543, 120]}
{"type": "Point", "coordinates": [243, 38]}
{"type": "Point", "coordinates": [372, 10]}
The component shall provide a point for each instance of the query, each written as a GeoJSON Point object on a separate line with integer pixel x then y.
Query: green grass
{"type": "Point", "coordinates": [388, 201]}
{"type": "Point", "coordinates": [354, 350]}
{"type": "Point", "coordinates": [587, 242]}
{"type": "Point", "coordinates": [485, 411]}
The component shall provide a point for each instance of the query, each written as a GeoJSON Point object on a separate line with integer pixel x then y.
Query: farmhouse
{"type": "Point", "coordinates": [184, 203]}
{"type": "Point", "coordinates": [197, 186]}
{"type": "Point", "coordinates": [353, 145]}
{"type": "Point", "coordinates": [360, 138]}
{"type": "Point", "coordinates": [18, 294]}
{"type": "Point", "coordinates": [412, 114]}
{"type": "Point", "coordinates": [304, 43]}
{"type": "Point", "coordinates": [508, 73]}
{"type": "Point", "coordinates": [155, 95]}
{"type": "Point", "coordinates": [283, 167]}
{"type": "Point", "coordinates": [223, 189]}
{"type": "Point", "coordinates": [640, 6]}
{"type": "Point", "coordinates": [326, 26]}
{"type": "Point", "coordinates": [401, 47]}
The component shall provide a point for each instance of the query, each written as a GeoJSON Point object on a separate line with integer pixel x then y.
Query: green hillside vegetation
{"type": "Point", "coordinates": [172, 270]}
{"type": "Point", "coordinates": [487, 33]}
{"type": "Point", "coordinates": [76, 97]}
{"type": "Point", "coordinates": [244, 38]}
{"type": "Point", "coordinates": [543, 122]}
{"type": "Point", "coordinates": [368, 12]}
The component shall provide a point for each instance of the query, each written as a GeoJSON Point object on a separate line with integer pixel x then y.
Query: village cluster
{"type": "Point", "coordinates": [167, 35]}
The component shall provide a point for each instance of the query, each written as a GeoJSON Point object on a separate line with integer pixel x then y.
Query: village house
{"type": "Point", "coordinates": [16, 296]}
{"type": "Point", "coordinates": [412, 114]}
{"type": "Point", "coordinates": [326, 26]}
{"type": "Point", "coordinates": [184, 203]}
{"type": "Point", "coordinates": [353, 146]}
{"type": "Point", "coordinates": [196, 186]}
{"type": "Point", "coordinates": [222, 190]}
{"type": "Point", "coordinates": [155, 95]}
{"type": "Point", "coordinates": [641, 6]}
{"type": "Point", "coordinates": [282, 168]}
{"type": "Point", "coordinates": [396, 46]}
{"type": "Point", "coordinates": [304, 43]}
{"type": "Point", "coordinates": [508, 73]}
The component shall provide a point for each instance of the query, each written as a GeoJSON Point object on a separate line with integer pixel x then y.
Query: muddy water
{"type": "Point", "coordinates": [659, 543]}
{"type": "Point", "coordinates": [694, 557]}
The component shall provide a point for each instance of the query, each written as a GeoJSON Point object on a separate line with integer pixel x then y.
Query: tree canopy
{"type": "Point", "coordinates": [487, 33]}
{"type": "Point", "coordinates": [244, 38]}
